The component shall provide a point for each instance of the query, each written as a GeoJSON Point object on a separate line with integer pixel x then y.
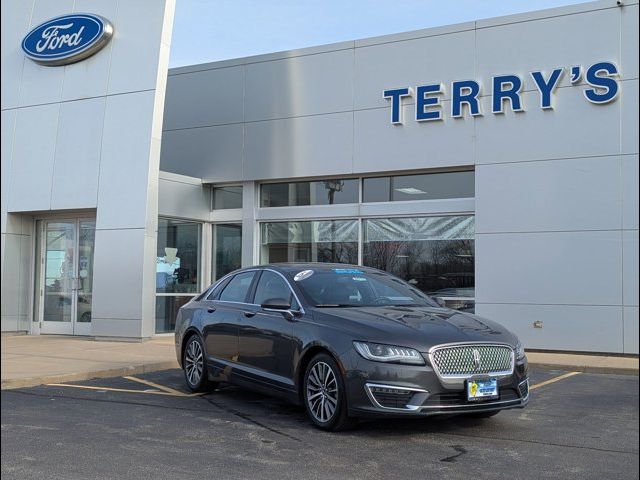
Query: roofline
{"type": "Point", "coordinates": [404, 36]}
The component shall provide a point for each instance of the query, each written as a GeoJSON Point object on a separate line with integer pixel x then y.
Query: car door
{"type": "Point", "coordinates": [266, 340]}
{"type": "Point", "coordinates": [222, 321]}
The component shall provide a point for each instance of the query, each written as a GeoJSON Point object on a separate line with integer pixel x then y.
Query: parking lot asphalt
{"type": "Point", "coordinates": [149, 427]}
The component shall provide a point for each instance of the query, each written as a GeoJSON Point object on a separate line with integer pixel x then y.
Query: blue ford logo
{"type": "Point", "coordinates": [67, 39]}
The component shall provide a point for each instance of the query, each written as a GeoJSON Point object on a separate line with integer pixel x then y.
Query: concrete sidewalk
{"type": "Point", "coordinates": [584, 363]}
{"type": "Point", "coordinates": [30, 360]}
{"type": "Point", "coordinates": [34, 360]}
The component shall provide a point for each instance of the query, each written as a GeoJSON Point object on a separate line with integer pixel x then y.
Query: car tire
{"type": "Point", "coordinates": [194, 366]}
{"type": "Point", "coordinates": [324, 394]}
{"type": "Point", "coordinates": [484, 414]}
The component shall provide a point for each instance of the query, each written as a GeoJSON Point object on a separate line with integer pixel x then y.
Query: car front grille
{"type": "Point", "coordinates": [471, 359]}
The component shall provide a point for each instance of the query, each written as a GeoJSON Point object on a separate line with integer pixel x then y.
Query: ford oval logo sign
{"type": "Point", "coordinates": [67, 39]}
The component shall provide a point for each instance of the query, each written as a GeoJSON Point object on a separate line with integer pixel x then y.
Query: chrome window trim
{"type": "Point", "coordinates": [218, 282]}
{"type": "Point", "coordinates": [301, 311]}
{"type": "Point", "coordinates": [234, 273]}
{"type": "Point", "coordinates": [459, 379]}
{"type": "Point", "coordinates": [408, 408]}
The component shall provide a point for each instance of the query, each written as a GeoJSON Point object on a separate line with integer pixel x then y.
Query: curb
{"type": "Point", "coordinates": [586, 368]}
{"type": "Point", "coordinates": [11, 384]}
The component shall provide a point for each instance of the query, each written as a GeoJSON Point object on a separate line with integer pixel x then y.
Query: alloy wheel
{"type": "Point", "coordinates": [193, 362]}
{"type": "Point", "coordinates": [322, 392]}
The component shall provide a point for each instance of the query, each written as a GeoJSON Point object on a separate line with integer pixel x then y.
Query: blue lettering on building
{"type": "Point", "coordinates": [506, 92]}
{"type": "Point", "coordinates": [506, 88]}
{"type": "Point", "coordinates": [396, 106]}
{"type": "Point", "coordinates": [465, 93]}
{"type": "Point", "coordinates": [599, 75]}
{"type": "Point", "coordinates": [426, 97]}
{"type": "Point", "coordinates": [547, 86]}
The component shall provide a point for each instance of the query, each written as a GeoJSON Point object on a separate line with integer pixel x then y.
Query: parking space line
{"type": "Point", "coordinates": [554, 380]}
{"type": "Point", "coordinates": [124, 390]}
{"type": "Point", "coordinates": [155, 385]}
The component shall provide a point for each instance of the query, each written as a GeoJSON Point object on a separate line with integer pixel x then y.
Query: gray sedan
{"type": "Point", "coordinates": [347, 342]}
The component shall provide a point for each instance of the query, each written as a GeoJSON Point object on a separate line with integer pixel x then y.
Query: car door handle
{"type": "Point", "coordinates": [249, 314]}
{"type": "Point", "coordinates": [211, 310]}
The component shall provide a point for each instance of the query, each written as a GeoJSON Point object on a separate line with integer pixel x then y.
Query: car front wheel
{"type": "Point", "coordinates": [195, 366]}
{"type": "Point", "coordinates": [324, 394]}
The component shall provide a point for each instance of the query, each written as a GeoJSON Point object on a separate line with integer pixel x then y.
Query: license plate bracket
{"type": "Point", "coordinates": [482, 389]}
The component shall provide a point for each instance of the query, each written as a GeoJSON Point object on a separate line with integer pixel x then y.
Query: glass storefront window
{"type": "Point", "coordinates": [431, 186]}
{"type": "Point", "coordinates": [178, 256]}
{"type": "Point", "coordinates": [436, 254]}
{"type": "Point", "coordinates": [177, 269]}
{"type": "Point", "coordinates": [167, 307]}
{"type": "Point", "coordinates": [227, 197]}
{"type": "Point", "coordinates": [324, 192]}
{"type": "Point", "coordinates": [227, 248]}
{"type": "Point", "coordinates": [310, 241]}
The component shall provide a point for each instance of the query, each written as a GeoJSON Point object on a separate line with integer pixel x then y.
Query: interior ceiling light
{"type": "Point", "coordinates": [410, 190]}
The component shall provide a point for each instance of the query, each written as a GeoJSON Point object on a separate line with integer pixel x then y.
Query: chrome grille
{"type": "Point", "coordinates": [459, 360]}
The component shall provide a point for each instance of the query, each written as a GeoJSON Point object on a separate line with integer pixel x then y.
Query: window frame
{"type": "Point", "coordinates": [248, 295]}
{"type": "Point", "coordinates": [285, 280]}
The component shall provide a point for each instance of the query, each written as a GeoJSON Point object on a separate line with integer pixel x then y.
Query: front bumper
{"type": "Point", "coordinates": [375, 388]}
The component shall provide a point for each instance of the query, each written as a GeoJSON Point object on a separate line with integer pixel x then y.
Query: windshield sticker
{"type": "Point", "coordinates": [359, 279]}
{"type": "Point", "coordinates": [348, 271]}
{"type": "Point", "coordinates": [302, 275]}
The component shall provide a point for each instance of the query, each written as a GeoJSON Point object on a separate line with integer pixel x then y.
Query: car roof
{"type": "Point", "coordinates": [295, 267]}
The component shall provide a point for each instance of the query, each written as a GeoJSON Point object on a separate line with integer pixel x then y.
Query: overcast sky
{"type": "Point", "coordinates": [210, 30]}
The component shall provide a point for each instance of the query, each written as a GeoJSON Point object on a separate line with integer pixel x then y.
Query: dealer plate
{"type": "Point", "coordinates": [482, 389]}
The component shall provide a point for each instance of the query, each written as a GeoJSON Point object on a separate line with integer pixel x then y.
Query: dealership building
{"type": "Point", "coordinates": [492, 164]}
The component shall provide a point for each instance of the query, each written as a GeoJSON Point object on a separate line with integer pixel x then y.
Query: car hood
{"type": "Point", "coordinates": [416, 327]}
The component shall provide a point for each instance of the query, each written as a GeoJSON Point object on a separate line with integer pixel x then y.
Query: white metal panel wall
{"type": "Point", "coordinates": [87, 136]}
{"type": "Point", "coordinates": [556, 191]}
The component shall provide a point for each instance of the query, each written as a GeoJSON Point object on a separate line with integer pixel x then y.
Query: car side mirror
{"type": "Point", "coordinates": [276, 304]}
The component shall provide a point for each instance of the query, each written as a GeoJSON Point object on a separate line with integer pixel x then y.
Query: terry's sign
{"type": "Point", "coordinates": [505, 92]}
{"type": "Point", "coordinates": [67, 39]}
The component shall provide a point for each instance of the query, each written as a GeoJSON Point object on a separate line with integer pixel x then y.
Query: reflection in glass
{"type": "Point", "coordinates": [429, 186]}
{"type": "Point", "coordinates": [227, 248]}
{"type": "Point", "coordinates": [58, 271]}
{"type": "Point", "coordinates": [87, 236]}
{"type": "Point", "coordinates": [324, 192]}
{"type": "Point", "coordinates": [178, 256]}
{"type": "Point", "coordinates": [166, 310]}
{"type": "Point", "coordinates": [435, 254]}
{"type": "Point", "coordinates": [227, 197]}
{"type": "Point", "coordinates": [311, 241]}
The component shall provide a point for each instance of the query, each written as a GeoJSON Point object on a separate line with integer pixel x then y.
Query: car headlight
{"type": "Point", "coordinates": [388, 353]}
{"type": "Point", "coordinates": [519, 350]}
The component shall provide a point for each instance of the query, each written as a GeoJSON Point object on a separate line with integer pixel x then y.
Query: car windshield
{"type": "Point", "coordinates": [353, 287]}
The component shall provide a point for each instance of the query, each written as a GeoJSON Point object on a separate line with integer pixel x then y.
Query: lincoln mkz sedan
{"type": "Point", "coordinates": [347, 342]}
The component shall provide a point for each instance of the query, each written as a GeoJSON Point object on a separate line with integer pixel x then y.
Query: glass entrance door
{"type": "Point", "coordinates": [66, 276]}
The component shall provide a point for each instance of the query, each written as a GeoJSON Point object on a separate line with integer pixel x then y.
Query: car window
{"type": "Point", "coordinates": [237, 288]}
{"type": "Point", "coordinates": [353, 287]}
{"type": "Point", "coordinates": [273, 286]}
{"type": "Point", "coordinates": [215, 291]}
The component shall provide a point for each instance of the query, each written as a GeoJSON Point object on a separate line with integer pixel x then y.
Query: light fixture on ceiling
{"type": "Point", "coordinates": [410, 190]}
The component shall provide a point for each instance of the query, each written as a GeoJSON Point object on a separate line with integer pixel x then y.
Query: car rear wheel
{"type": "Point", "coordinates": [195, 366]}
{"type": "Point", "coordinates": [324, 394]}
